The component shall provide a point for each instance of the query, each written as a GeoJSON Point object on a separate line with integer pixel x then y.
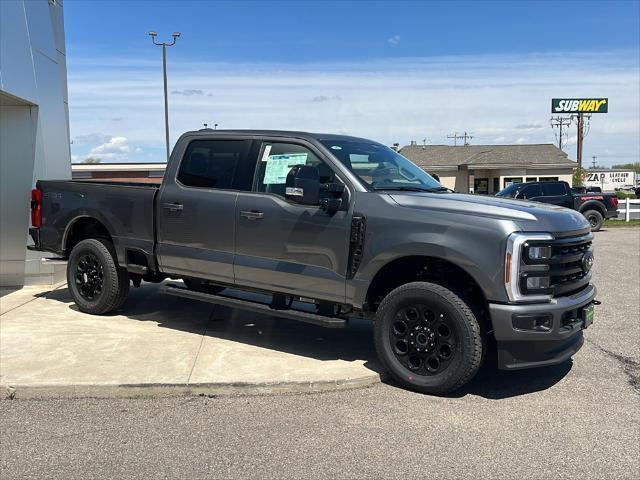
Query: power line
{"type": "Point", "coordinates": [560, 122]}
{"type": "Point", "coordinates": [455, 137]}
{"type": "Point", "coordinates": [465, 136]}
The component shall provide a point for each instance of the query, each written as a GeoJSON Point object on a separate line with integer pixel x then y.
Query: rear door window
{"type": "Point", "coordinates": [213, 163]}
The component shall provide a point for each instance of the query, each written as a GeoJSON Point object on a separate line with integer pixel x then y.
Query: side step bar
{"type": "Point", "coordinates": [315, 319]}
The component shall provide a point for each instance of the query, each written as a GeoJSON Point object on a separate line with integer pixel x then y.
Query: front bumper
{"type": "Point", "coordinates": [518, 349]}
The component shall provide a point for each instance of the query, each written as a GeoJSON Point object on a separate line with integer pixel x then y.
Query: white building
{"type": "Point", "coordinates": [34, 125]}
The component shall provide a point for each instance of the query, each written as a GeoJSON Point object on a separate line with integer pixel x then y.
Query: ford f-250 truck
{"type": "Point", "coordinates": [594, 206]}
{"type": "Point", "coordinates": [327, 228]}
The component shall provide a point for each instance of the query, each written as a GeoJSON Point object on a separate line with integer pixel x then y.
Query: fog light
{"type": "Point", "coordinates": [536, 283]}
{"type": "Point", "coordinates": [538, 252]}
{"type": "Point", "coordinates": [535, 323]}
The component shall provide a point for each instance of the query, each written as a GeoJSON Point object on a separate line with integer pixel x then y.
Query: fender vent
{"type": "Point", "coordinates": [356, 244]}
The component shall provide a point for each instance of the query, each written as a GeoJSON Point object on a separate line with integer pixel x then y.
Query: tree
{"type": "Point", "coordinates": [577, 177]}
{"type": "Point", "coordinates": [635, 166]}
{"type": "Point", "coordinates": [91, 160]}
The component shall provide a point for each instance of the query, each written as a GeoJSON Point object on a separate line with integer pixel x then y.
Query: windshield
{"type": "Point", "coordinates": [510, 191]}
{"type": "Point", "coordinates": [381, 168]}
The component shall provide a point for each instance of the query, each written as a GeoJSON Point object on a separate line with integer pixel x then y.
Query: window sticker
{"type": "Point", "coordinates": [278, 167]}
{"type": "Point", "coordinates": [267, 151]}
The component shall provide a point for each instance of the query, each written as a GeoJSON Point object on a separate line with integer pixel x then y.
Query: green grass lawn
{"type": "Point", "coordinates": [621, 223]}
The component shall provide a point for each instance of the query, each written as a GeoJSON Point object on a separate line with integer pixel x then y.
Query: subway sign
{"type": "Point", "coordinates": [579, 105]}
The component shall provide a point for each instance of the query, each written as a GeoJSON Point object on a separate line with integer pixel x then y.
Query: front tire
{"type": "Point", "coordinates": [595, 219]}
{"type": "Point", "coordinates": [428, 338]}
{"type": "Point", "coordinates": [97, 283]}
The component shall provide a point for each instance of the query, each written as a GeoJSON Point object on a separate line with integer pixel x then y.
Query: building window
{"type": "Point", "coordinates": [511, 180]}
{"type": "Point", "coordinates": [481, 186]}
{"type": "Point", "coordinates": [532, 179]}
{"type": "Point", "coordinates": [548, 179]}
{"type": "Point", "coordinates": [496, 185]}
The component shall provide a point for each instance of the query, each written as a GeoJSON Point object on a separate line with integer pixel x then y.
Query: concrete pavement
{"type": "Point", "coordinates": [162, 345]}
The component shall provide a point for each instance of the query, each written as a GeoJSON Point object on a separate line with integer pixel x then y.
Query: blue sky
{"type": "Point", "coordinates": [392, 71]}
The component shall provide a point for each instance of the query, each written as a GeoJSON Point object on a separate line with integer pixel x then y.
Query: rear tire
{"type": "Point", "coordinates": [97, 283]}
{"type": "Point", "coordinates": [595, 219]}
{"type": "Point", "coordinates": [428, 338]}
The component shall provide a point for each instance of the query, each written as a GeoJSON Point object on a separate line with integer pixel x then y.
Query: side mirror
{"type": "Point", "coordinates": [303, 185]}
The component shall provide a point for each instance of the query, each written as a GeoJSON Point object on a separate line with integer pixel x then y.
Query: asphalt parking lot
{"type": "Point", "coordinates": [577, 420]}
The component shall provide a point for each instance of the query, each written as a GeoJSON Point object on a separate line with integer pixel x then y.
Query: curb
{"type": "Point", "coordinates": [157, 390]}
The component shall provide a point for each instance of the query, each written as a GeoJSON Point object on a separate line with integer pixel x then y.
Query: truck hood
{"type": "Point", "coordinates": [529, 215]}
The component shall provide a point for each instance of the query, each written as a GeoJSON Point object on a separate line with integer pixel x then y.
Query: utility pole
{"type": "Point", "coordinates": [583, 130]}
{"type": "Point", "coordinates": [594, 161]}
{"type": "Point", "coordinates": [560, 122]}
{"type": "Point", "coordinates": [164, 46]}
{"type": "Point", "coordinates": [455, 137]}
{"type": "Point", "coordinates": [467, 136]}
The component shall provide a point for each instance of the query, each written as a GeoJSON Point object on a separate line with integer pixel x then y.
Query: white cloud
{"type": "Point", "coordinates": [393, 100]}
{"type": "Point", "coordinates": [116, 150]}
{"type": "Point", "coordinates": [394, 40]}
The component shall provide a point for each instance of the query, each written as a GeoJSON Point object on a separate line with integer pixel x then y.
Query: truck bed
{"type": "Point", "coordinates": [126, 209]}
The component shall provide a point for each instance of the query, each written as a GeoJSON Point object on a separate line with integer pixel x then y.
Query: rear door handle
{"type": "Point", "coordinates": [173, 207]}
{"type": "Point", "coordinates": [251, 214]}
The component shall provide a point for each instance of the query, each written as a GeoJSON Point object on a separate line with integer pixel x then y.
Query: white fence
{"type": "Point", "coordinates": [626, 207]}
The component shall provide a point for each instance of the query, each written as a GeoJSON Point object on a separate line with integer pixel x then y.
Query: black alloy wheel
{"type": "Point", "coordinates": [428, 338]}
{"type": "Point", "coordinates": [423, 339]}
{"type": "Point", "coordinates": [89, 277]}
{"type": "Point", "coordinates": [96, 282]}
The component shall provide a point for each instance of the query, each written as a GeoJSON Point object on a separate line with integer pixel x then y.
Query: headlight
{"type": "Point", "coordinates": [538, 252]}
{"type": "Point", "coordinates": [526, 275]}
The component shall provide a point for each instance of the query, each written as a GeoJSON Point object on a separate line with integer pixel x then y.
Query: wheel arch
{"type": "Point", "coordinates": [593, 205]}
{"type": "Point", "coordinates": [82, 227]}
{"type": "Point", "coordinates": [409, 268]}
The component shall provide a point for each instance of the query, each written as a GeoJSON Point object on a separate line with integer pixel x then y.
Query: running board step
{"type": "Point", "coordinates": [320, 320]}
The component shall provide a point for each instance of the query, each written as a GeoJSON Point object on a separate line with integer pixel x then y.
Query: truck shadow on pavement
{"type": "Point", "coordinates": [353, 343]}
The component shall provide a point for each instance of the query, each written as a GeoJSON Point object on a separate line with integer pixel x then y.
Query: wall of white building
{"type": "Point", "coordinates": [34, 124]}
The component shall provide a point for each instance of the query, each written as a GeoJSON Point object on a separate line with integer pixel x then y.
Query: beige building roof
{"type": "Point", "coordinates": [488, 156]}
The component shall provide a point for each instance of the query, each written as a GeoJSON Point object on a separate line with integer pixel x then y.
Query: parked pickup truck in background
{"type": "Point", "coordinates": [326, 228]}
{"type": "Point", "coordinates": [594, 206]}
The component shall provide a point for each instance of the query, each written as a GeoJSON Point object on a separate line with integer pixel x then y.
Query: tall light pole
{"type": "Point", "coordinates": [164, 45]}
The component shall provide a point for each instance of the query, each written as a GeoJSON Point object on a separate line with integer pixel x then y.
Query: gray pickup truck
{"type": "Point", "coordinates": [324, 228]}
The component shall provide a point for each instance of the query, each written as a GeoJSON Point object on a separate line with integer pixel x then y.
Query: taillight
{"type": "Point", "coordinates": [36, 204]}
{"type": "Point", "coordinates": [614, 202]}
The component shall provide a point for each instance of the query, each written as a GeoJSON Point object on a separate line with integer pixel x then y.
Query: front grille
{"type": "Point", "coordinates": [565, 268]}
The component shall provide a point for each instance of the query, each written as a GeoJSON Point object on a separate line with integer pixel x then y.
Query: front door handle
{"type": "Point", "coordinates": [173, 207]}
{"type": "Point", "coordinates": [251, 214]}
